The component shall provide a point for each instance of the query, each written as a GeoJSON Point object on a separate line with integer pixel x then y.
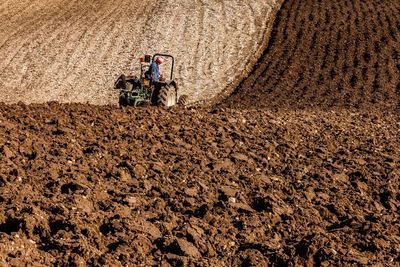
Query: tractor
{"type": "Point", "coordinates": [141, 91]}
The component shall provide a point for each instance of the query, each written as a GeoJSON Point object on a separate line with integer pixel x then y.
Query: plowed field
{"type": "Point", "coordinates": [328, 53]}
{"type": "Point", "coordinates": [282, 173]}
{"type": "Point", "coordinates": [99, 185]}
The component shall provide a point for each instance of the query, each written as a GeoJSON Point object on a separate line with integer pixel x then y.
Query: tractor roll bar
{"type": "Point", "coordinates": [165, 55]}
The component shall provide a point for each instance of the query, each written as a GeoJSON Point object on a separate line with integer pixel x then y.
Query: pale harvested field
{"type": "Point", "coordinates": [73, 51]}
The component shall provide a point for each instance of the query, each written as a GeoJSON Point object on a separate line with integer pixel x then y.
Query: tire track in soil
{"type": "Point", "coordinates": [53, 25]}
{"type": "Point", "coordinates": [328, 54]}
{"type": "Point", "coordinates": [91, 52]}
{"type": "Point", "coordinates": [56, 29]}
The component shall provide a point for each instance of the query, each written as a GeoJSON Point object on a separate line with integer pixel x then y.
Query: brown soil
{"type": "Point", "coordinates": [101, 185]}
{"type": "Point", "coordinates": [328, 53]}
{"type": "Point", "coordinates": [220, 186]}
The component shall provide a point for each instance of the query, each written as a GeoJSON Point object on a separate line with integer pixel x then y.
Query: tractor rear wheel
{"type": "Point", "coordinates": [183, 100]}
{"type": "Point", "coordinates": [121, 82]}
{"type": "Point", "coordinates": [123, 99]}
{"type": "Point", "coordinates": [167, 96]}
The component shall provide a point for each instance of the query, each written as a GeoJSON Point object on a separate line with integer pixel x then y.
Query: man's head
{"type": "Point", "coordinates": [159, 60]}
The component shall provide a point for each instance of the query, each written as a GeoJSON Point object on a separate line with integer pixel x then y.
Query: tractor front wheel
{"type": "Point", "coordinates": [123, 99]}
{"type": "Point", "coordinates": [167, 96]}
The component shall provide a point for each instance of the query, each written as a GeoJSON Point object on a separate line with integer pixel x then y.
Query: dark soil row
{"type": "Point", "coordinates": [328, 53]}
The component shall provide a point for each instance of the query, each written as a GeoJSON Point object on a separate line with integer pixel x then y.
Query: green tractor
{"type": "Point", "coordinates": [141, 91]}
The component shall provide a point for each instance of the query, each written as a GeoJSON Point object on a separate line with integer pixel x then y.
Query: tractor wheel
{"type": "Point", "coordinates": [167, 96]}
{"type": "Point", "coordinates": [183, 100]}
{"type": "Point", "coordinates": [121, 82]}
{"type": "Point", "coordinates": [123, 99]}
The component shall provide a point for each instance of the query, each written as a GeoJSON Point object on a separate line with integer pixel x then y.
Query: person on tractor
{"type": "Point", "coordinates": [154, 71]}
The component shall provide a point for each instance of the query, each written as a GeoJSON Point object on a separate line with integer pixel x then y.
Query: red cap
{"type": "Point", "coordinates": [160, 59]}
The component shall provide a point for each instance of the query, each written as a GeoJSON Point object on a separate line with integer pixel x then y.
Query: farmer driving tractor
{"type": "Point", "coordinates": [154, 71]}
{"type": "Point", "coordinates": [150, 88]}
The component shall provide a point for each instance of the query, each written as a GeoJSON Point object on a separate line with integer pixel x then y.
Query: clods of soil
{"type": "Point", "coordinates": [327, 54]}
{"type": "Point", "coordinates": [102, 185]}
